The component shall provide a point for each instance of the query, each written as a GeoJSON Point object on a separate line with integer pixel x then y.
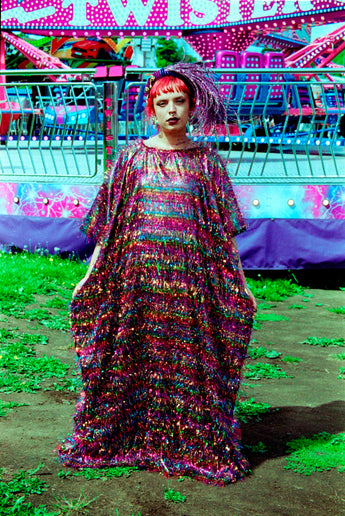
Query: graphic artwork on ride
{"type": "Point", "coordinates": [155, 14]}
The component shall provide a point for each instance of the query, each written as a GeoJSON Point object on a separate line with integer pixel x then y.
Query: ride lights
{"type": "Point", "coordinates": [256, 202]}
{"type": "Point", "coordinates": [45, 200]}
{"type": "Point", "coordinates": [16, 199]}
{"type": "Point", "coordinates": [75, 202]}
{"type": "Point", "coordinates": [291, 203]}
{"type": "Point", "coordinates": [326, 203]}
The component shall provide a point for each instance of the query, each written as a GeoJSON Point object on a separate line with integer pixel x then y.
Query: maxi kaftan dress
{"type": "Point", "coordinates": [162, 324]}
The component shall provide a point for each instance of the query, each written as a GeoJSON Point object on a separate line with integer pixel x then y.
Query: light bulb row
{"type": "Point", "coordinates": [291, 203]}
{"type": "Point", "coordinates": [45, 201]}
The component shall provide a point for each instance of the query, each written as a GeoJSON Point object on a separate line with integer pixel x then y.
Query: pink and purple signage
{"type": "Point", "coordinates": [140, 17]}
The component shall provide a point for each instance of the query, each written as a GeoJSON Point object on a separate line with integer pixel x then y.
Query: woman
{"type": "Point", "coordinates": [162, 319]}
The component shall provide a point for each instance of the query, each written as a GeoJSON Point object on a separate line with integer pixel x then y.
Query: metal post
{"type": "Point", "coordinates": [110, 128]}
{"type": "Point", "coordinates": [2, 67]}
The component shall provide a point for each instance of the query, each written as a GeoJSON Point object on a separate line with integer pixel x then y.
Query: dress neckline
{"type": "Point", "coordinates": [194, 147]}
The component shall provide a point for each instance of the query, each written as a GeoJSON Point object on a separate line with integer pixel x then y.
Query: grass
{"type": "Point", "coordinates": [341, 373]}
{"type": "Point", "coordinates": [274, 290]}
{"type": "Point", "coordinates": [261, 351]}
{"type": "Point", "coordinates": [337, 310]}
{"type": "Point", "coordinates": [44, 317]}
{"type": "Point", "coordinates": [257, 448]}
{"type": "Point", "coordinates": [7, 406]}
{"type": "Point", "coordinates": [265, 306]}
{"type": "Point", "coordinates": [291, 360]}
{"type": "Point", "coordinates": [262, 370]}
{"type": "Point", "coordinates": [14, 493]}
{"type": "Point", "coordinates": [318, 453]}
{"type": "Point", "coordinates": [73, 384]}
{"type": "Point", "coordinates": [23, 371]}
{"type": "Point", "coordinates": [25, 338]}
{"type": "Point", "coordinates": [106, 473]}
{"type": "Point", "coordinates": [270, 317]}
{"type": "Point", "coordinates": [28, 275]}
{"type": "Point", "coordinates": [73, 507]}
{"type": "Point", "coordinates": [24, 277]}
{"type": "Point", "coordinates": [339, 356]}
{"type": "Point", "coordinates": [250, 409]}
{"type": "Point", "coordinates": [322, 342]}
{"type": "Point", "coordinates": [174, 496]}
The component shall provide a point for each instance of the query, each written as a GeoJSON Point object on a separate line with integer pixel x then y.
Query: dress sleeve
{"type": "Point", "coordinates": [231, 217]}
{"type": "Point", "coordinates": [100, 218]}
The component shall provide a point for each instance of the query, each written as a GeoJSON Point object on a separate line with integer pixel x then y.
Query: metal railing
{"type": "Point", "coordinates": [278, 129]}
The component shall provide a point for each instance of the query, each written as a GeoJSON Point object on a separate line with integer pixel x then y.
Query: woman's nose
{"type": "Point", "coordinates": [172, 108]}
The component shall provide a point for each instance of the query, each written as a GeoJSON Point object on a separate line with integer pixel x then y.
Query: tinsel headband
{"type": "Point", "coordinates": [210, 108]}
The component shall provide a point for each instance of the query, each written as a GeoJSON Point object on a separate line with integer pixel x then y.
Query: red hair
{"type": "Point", "coordinates": [166, 84]}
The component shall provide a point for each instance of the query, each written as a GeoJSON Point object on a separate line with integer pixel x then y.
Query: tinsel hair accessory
{"type": "Point", "coordinates": [210, 108]}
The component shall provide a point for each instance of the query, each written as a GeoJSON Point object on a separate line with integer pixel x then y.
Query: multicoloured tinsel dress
{"type": "Point", "coordinates": [162, 325]}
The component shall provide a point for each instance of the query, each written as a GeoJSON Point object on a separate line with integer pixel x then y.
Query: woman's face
{"type": "Point", "coordinates": [172, 111]}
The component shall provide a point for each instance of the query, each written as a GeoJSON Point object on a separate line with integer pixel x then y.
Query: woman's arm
{"type": "Point", "coordinates": [93, 260]}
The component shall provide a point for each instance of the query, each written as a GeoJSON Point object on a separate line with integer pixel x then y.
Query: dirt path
{"type": "Point", "coordinates": [311, 402]}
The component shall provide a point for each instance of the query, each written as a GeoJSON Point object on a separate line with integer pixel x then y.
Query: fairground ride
{"type": "Point", "coordinates": [296, 219]}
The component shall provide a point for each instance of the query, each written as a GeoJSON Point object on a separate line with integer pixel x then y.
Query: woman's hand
{"type": "Point", "coordinates": [78, 286]}
{"type": "Point", "coordinates": [91, 266]}
{"type": "Point", "coordinates": [251, 297]}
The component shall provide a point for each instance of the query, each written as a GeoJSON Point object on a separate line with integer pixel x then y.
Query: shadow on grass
{"type": "Point", "coordinates": [277, 428]}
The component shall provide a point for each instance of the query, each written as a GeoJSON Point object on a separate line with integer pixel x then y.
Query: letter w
{"type": "Point", "coordinates": [140, 12]}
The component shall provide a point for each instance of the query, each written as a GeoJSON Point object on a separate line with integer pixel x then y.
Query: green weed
{"type": "Point", "coordinates": [47, 319]}
{"type": "Point", "coordinates": [174, 496]}
{"type": "Point", "coordinates": [64, 474]}
{"type": "Point", "coordinates": [14, 492]}
{"type": "Point", "coordinates": [340, 356]}
{"type": "Point", "coordinates": [321, 452]}
{"type": "Point", "coordinates": [341, 373]}
{"type": "Point", "coordinates": [28, 275]}
{"type": "Point", "coordinates": [337, 310]}
{"type": "Point", "coordinates": [57, 302]}
{"type": "Point", "coordinates": [249, 409]}
{"type": "Point", "coordinates": [25, 338]}
{"type": "Point", "coordinates": [6, 406]}
{"type": "Point", "coordinates": [67, 384]}
{"type": "Point", "coordinates": [271, 317]}
{"type": "Point", "coordinates": [33, 338]}
{"type": "Point", "coordinates": [105, 473]}
{"type": "Point", "coordinates": [297, 307]}
{"type": "Point", "coordinates": [262, 370]}
{"type": "Point", "coordinates": [291, 359]}
{"type": "Point", "coordinates": [320, 341]}
{"type": "Point", "coordinates": [261, 351]}
{"type": "Point", "coordinates": [274, 290]}
{"type": "Point", "coordinates": [75, 506]}
{"type": "Point", "coordinates": [23, 371]}
{"type": "Point", "coordinates": [260, 447]}
{"type": "Point", "coordinates": [265, 306]}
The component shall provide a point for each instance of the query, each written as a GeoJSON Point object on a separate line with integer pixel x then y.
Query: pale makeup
{"type": "Point", "coordinates": [172, 111]}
